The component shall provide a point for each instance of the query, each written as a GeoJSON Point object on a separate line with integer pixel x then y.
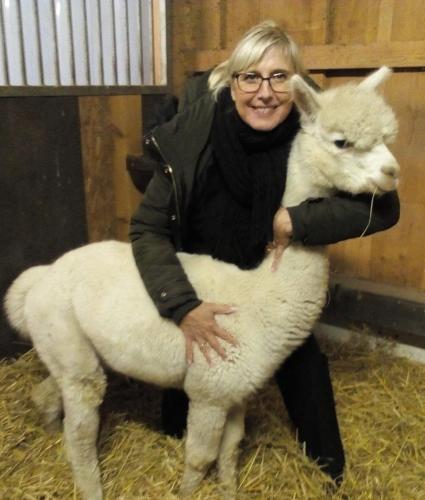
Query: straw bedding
{"type": "Point", "coordinates": [380, 402]}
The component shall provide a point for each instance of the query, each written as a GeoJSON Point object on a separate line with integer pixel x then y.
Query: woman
{"type": "Point", "coordinates": [223, 164]}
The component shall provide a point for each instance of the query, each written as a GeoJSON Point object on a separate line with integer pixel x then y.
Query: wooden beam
{"type": "Point", "coordinates": [158, 42]}
{"type": "Point", "coordinates": [394, 54]}
{"type": "Point", "coordinates": [390, 315]}
{"type": "Point", "coordinates": [80, 90]}
{"type": "Point", "coordinates": [325, 57]}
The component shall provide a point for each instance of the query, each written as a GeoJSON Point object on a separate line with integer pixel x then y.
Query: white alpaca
{"type": "Point", "coordinates": [89, 309]}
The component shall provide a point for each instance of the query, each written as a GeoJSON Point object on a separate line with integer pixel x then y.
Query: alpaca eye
{"type": "Point", "coordinates": [343, 144]}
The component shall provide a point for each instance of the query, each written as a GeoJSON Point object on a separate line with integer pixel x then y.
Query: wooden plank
{"type": "Point", "coordinates": [409, 20]}
{"type": "Point", "coordinates": [110, 130]}
{"type": "Point", "coordinates": [385, 21]}
{"type": "Point", "coordinates": [400, 318]}
{"type": "Point", "coordinates": [239, 16]}
{"type": "Point", "coordinates": [96, 147]}
{"type": "Point", "coordinates": [353, 21]}
{"type": "Point", "coordinates": [398, 255]}
{"type": "Point", "coordinates": [328, 57]}
{"type": "Point", "coordinates": [305, 21]}
{"type": "Point", "coordinates": [352, 258]}
{"type": "Point", "coordinates": [394, 54]}
{"type": "Point", "coordinates": [157, 40]}
{"type": "Point", "coordinates": [80, 90]}
{"type": "Point", "coordinates": [127, 134]}
{"type": "Point", "coordinates": [208, 26]}
{"type": "Point", "coordinates": [320, 15]}
{"type": "Point", "coordinates": [405, 92]}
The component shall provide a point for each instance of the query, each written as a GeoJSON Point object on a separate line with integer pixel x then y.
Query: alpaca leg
{"type": "Point", "coordinates": [82, 398]}
{"type": "Point", "coordinates": [204, 432]}
{"type": "Point", "coordinates": [74, 365]}
{"type": "Point", "coordinates": [48, 399]}
{"type": "Point", "coordinates": [229, 450]}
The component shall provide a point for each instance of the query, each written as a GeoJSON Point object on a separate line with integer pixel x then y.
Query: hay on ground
{"type": "Point", "coordinates": [381, 407]}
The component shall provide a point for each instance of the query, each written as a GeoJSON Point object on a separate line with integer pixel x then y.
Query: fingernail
{"type": "Point", "coordinates": [233, 309]}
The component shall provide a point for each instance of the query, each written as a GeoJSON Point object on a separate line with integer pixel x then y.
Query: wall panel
{"type": "Point", "coordinates": [110, 129]}
{"type": "Point", "coordinates": [305, 20]}
{"type": "Point", "coordinates": [408, 20]}
{"type": "Point", "coordinates": [238, 16]}
{"type": "Point", "coordinates": [351, 21]}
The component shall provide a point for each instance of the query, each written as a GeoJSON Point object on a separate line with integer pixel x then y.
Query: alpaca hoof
{"type": "Point", "coordinates": [192, 478]}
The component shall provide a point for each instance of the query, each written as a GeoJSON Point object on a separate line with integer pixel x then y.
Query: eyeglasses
{"type": "Point", "coordinates": [251, 82]}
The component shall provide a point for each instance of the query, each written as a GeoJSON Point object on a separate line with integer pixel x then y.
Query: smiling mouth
{"type": "Point", "coordinates": [263, 109]}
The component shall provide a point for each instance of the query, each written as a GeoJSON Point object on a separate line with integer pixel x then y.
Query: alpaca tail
{"type": "Point", "coordinates": [14, 300]}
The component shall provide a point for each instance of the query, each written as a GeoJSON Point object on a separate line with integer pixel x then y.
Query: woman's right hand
{"type": "Point", "coordinates": [200, 327]}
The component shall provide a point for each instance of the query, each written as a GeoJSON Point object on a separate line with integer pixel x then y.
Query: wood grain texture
{"type": "Point", "coordinates": [353, 21]}
{"type": "Point", "coordinates": [408, 20]}
{"type": "Point", "coordinates": [126, 126]}
{"type": "Point", "coordinates": [97, 153]}
{"type": "Point", "coordinates": [385, 20]}
{"type": "Point", "coordinates": [110, 129]}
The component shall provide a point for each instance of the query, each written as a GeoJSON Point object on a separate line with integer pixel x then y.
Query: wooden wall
{"type": "Point", "coordinates": [339, 39]}
{"type": "Point", "coordinates": [110, 130]}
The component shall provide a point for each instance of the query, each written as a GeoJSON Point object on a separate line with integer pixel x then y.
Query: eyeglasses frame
{"type": "Point", "coordinates": [267, 78]}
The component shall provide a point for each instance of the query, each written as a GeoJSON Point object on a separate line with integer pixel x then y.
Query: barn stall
{"type": "Point", "coordinates": [65, 149]}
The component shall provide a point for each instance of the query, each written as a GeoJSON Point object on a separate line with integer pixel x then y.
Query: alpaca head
{"type": "Point", "coordinates": [351, 126]}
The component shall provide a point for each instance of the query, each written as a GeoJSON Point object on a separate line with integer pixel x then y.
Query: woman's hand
{"type": "Point", "coordinates": [282, 233]}
{"type": "Point", "coordinates": [199, 326]}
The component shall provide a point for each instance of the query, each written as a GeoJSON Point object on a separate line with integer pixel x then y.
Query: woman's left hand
{"type": "Point", "coordinates": [282, 233]}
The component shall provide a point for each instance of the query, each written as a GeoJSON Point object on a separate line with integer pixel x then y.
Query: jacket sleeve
{"type": "Point", "coordinates": [322, 221]}
{"type": "Point", "coordinates": [155, 254]}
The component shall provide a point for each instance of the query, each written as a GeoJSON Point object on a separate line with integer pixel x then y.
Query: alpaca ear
{"type": "Point", "coordinates": [305, 97]}
{"type": "Point", "coordinates": [376, 78]}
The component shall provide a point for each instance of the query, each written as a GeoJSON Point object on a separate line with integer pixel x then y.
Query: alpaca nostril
{"type": "Point", "coordinates": [390, 170]}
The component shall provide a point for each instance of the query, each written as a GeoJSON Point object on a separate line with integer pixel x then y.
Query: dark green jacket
{"type": "Point", "coordinates": [159, 225]}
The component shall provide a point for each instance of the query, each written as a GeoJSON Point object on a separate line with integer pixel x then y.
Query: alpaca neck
{"type": "Point", "coordinates": [304, 177]}
{"type": "Point", "coordinates": [282, 299]}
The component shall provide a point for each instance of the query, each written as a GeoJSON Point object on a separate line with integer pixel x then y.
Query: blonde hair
{"type": "Point", "coordinates": [250, 50]}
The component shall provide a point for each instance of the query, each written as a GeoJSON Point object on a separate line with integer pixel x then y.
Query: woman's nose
{"type": "Point", "coordinates": [265, 89]}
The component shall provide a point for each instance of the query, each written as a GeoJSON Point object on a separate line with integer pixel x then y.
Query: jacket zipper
{"type": "Point", "coordinates": [171, 172]}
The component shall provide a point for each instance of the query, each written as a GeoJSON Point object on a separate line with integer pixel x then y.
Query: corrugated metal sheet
{"type": "Point", "coordinates": [81, 42]}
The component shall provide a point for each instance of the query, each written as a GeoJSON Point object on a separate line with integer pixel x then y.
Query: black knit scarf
{"type": "Point", "coordinates": [252, 168]}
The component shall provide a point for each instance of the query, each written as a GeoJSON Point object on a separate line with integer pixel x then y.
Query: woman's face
{"type": "Point", "coordinates": [265, 109]}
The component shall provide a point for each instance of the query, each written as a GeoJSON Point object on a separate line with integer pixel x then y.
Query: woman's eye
{"type": "Point", "coordinates": [343, 144]}
{"type": "Point", "coordinates": [279, 77]}
{"type": "Point", "coordinates": [250, 77]}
